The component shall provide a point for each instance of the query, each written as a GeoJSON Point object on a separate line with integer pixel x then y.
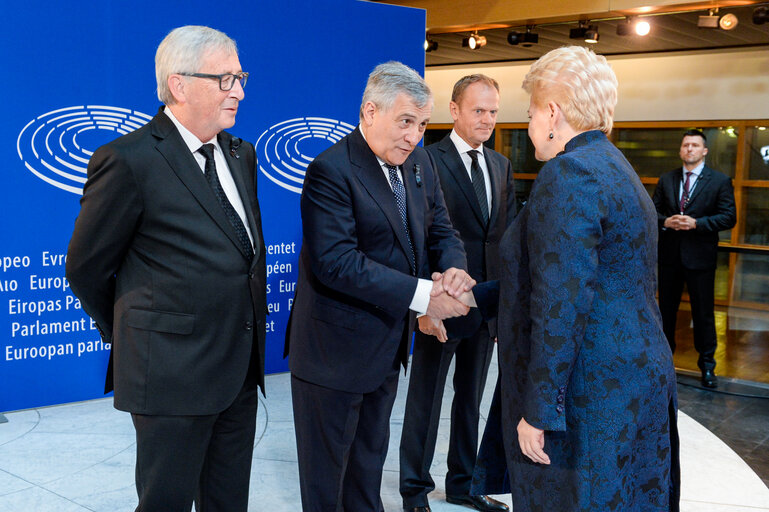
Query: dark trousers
{"type": "Point", "coordinates": [202, 458]}
{"type": "Point", "coordinates": [700, 285]}
{"type": "Point", "coordinates": [429, 367]}
{"type": "Point", "coordinates": [342, 441]}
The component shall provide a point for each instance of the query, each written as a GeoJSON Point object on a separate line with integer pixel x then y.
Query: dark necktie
{"type": "Point", "coordinates": [479, 184]}
{"type": "Point", "coordinates": [400, 200]}
{"type": "Point", "coordinates": [207, 150]}
{"type": "Point", "coordinates": [685, 195]}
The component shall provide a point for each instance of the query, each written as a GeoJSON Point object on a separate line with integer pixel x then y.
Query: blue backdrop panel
{"type": "Point", "coordinates": [78, 76]}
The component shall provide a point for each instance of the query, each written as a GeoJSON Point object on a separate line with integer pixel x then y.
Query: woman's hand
{"type": "Point", "coordinates": [532, 441]}
{"type": "Point", "coordinates": [433, 327]}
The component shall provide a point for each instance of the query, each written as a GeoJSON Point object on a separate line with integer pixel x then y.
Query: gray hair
{"type": "Point", "coordinates": [390, 79]}
{"type": "Point", "coordinates": [182, 51]}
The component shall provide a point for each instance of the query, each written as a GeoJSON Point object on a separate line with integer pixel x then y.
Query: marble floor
{"type": "Point", "coordinates": [79, 457]}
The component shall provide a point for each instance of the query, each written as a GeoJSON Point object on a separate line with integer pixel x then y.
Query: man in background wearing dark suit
{"type": "Point", "coordinates": [373, 222]}
{"type": "Point", "coordinates": [693, 204]}
{"type": "Point", "coordinates": [477, 183]}
{"type": "Point", "coordinates": [168, 259]}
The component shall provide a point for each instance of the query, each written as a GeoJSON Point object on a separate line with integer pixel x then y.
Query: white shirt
{"type": "Point", "coordinates": [421, 299]}
{"type": "Point", "coordinates": [462, 148]}
{"type": "Point", "coordinates": [222, 169]}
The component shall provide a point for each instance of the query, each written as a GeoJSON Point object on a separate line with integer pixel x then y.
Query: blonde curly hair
{"type": "Point", "coordinates": [582, 84]}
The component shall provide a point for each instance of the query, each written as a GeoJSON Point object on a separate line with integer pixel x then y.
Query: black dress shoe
{"type": "Point", "coordinates": [483, 503]}
{"type": "Point", "coordinates": [709, 379]}
{"type": "Point", "coordinates": [417, 509]}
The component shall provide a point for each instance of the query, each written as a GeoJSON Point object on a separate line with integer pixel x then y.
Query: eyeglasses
{"type": "Point", "coordinates": [226, 80]}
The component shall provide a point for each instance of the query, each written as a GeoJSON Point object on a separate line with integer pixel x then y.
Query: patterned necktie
{"type": "Point", "coordinates": [400, 200]}
{"type": "Point", "coordinates": [685, 195]}
{"type": "Point", "coordinates": [479, 184]}
{"type": "Point", "coordinates": [207, 150]}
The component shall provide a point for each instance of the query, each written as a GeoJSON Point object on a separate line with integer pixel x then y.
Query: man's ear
{"type": "Point", "coordinates": [177, 84]}
{"type": "Point", "coordinates": [454, 110]}
{"type": "Point", "coordinates": [369, 111]}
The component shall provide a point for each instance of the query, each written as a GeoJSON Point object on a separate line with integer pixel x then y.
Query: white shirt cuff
{"type": "Point", "coordinates": [421, 296]}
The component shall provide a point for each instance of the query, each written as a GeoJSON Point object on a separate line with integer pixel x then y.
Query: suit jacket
{"type": "Point", "coordinates": [157, 265]}
{"type": "Point", "coordinates": [711, 204]}
{"type": "Point", "coordinates": [350, 320]}
{"type": "Point", "coordinates": [480, 239]}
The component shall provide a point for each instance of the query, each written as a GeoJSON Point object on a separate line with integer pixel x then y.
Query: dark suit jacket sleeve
{"type": "Point", "coordinates": [329, 229]}
{"type": "Point", "coordinates": [564, 226]}
{"type": "Point", "coordinates": [487, 298]}
{"type": "Point", "coordinates": [725, 215]}
{"type": "Point", "coordinates": [659, 200]}
{"type": "Point", "coordinates": [109, 211]}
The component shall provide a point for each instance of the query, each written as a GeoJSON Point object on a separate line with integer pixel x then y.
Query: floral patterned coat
{"type": "Point", "coordinates": [582, 354]}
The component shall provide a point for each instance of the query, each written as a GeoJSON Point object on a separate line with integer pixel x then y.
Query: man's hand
{"type": "Point", "coordinates": [442, 306]}
{"type": "Point", "coordinates": [433, 327]}
{"type": "Point", "coordinates": [680, 222]}
{"type": "Point", "coordinates": [455, 282]}
{"type": "Point", "coordinates": [532, 442]}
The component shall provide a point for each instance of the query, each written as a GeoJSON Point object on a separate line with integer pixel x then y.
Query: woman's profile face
{"type": "Point", "coordinates": [539, 131]}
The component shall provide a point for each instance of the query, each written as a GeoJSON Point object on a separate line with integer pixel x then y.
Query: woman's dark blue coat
{"type": "Point", "coordinates": [582, 354]}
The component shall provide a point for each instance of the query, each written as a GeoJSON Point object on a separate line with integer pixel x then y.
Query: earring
{"type": "Point", "coordinates": [550, 136]}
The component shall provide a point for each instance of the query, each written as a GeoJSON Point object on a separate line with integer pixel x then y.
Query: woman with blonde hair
{"type": "Point", "coordinates": [586, 405]}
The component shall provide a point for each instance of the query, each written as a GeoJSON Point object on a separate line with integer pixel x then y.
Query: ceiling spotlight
{"type": "Point", "coordinates": [591, 34]}
{"type": "Point", "coordinates": [430, 45]}
{"type": "Point", "coordinates": [624, 28]}
{"type": "Point", "coordinates": [709, 21]}
{"type": "Point", "coordinates": [514, 37]}
{"type": "Point", "coordinates": [728, 21]}
{"type": "Point", "coordinates": [526, 39]}
{"type": "Point", "coordinates": [630, 27]}
{"type": "Point", "coordinates": [579, 32]}
{"type": "Point", "coordinates": [530, 37]}
{"type": "Point", "coordinates": [474, 41]}
{"type": "Point", "coordinates": [760, 15]}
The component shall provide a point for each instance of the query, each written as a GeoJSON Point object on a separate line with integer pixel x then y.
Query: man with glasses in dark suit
{"type": "Point", "coordinates": [168, 259]}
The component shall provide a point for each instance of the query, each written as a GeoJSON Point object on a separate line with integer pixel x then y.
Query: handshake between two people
{"type": "Point", "coordinates": [450, 297]}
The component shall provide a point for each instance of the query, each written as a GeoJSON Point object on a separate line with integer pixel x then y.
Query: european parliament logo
{"type": "Point", "coordinates": [285, 149]}
{"type": "Point", "coordinates": [57, 145]}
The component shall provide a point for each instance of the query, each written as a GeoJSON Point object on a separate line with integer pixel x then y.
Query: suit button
{"type": "Point", "coordinates": [559, 408]}
{"type": "Point", "coordinates": [249, 326]}
{"type": "Point", "coordinates": [250, 275]}
{"type": "Point", "coordinates": [560, 399]}
{"type": "Point", "coordinates": [562, 389]}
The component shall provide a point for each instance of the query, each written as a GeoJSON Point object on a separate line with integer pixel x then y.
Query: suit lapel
{"type": "Point", "coordinates": [371, 175]}
{"type": "Point", "coordinates": [456, 167]}
{"type": "Point", "coordinates": [239, 172]}
{"type": "Point", "coordinates": [415, 206]}
{"type": "Point", "coordinates": [495, 176]}
{"type": "Point", "coordinates": [181, 161]}
{"type": "Point", "coordinates": [702, 182]}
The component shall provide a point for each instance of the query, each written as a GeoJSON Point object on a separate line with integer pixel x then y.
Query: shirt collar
{"type": "Point", "coordinates": [696, 171]}
{"type": "Point", "coordinates": [192, 142]}
{"type": "Point", "coordinates": [461, 145]}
